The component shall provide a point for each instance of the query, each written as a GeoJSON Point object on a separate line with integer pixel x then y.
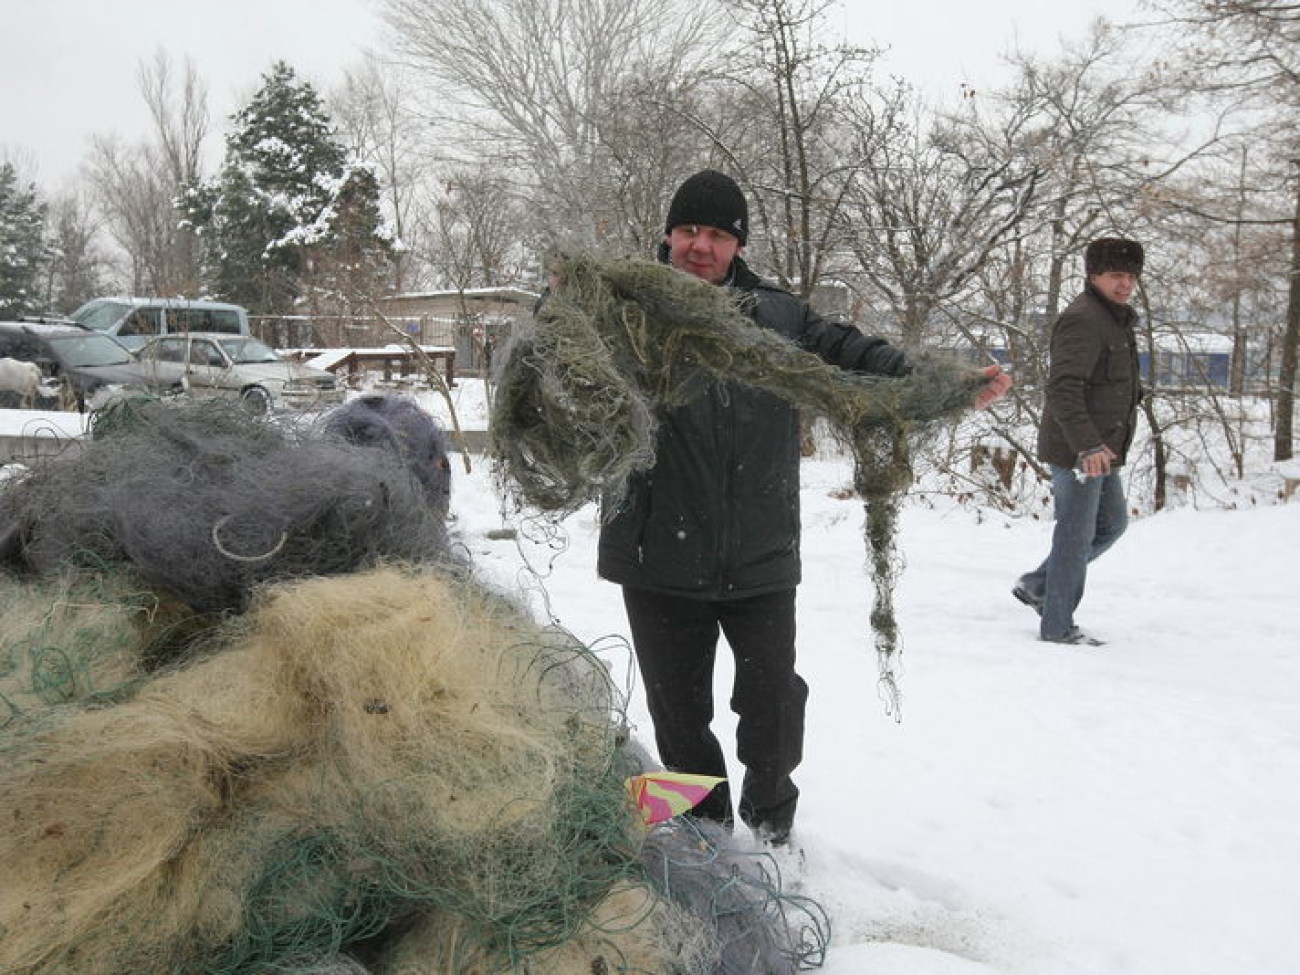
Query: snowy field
{"type": "Point", "coordinates": [1039, 810]}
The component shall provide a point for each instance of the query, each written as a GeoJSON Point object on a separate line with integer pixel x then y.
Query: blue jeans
{"type": "Point", "coordinates": [1091, 515]}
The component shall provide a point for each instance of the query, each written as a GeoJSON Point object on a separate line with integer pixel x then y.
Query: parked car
{"type": "Point", "coordinates": [133, 321]}
{"type": "Point", "coordinates": [207, 364]}
{"type": "Point", "coordinates": [81, 369]}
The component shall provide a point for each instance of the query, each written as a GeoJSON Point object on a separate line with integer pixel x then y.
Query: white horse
{"type": "Point", "coordinates": [22, 378]}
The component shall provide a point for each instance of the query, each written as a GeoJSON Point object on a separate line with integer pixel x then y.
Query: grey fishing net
{"type": "Point", "coordinates": [208, 501]}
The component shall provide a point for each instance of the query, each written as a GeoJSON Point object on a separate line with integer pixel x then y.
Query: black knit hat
{"type": "Point", "coordinates": [1113, 254]}
{"type": "Point", "coordinates": [711, 199]}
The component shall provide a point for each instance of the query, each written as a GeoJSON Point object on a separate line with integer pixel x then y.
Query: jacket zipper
{"type": "Point", "coordinates": [722, 402]}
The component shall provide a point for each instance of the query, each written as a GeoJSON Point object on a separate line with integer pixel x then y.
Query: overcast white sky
{"type": "Point", "coordinates": [69, 66]}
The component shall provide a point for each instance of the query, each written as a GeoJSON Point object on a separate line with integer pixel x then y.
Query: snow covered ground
{"type": "Point", "coordinates": [1039, 810]}
{"type": "Point", "coordinates": [1131, 808]}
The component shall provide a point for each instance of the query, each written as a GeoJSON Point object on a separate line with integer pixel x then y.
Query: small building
{"type": "Point", "coordinates": [1188, 360]}
{"type": "Point", "coordinates": [474, 321]}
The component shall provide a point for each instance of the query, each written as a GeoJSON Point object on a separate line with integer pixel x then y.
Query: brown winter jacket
{"type": "Point", "coordinates": [1093, 383]}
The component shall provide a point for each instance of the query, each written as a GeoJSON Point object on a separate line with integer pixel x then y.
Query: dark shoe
{"type": "Point", "coordinates": [1033, 600]}
{"type": "Point", "coordinates": [786, 862]}
{"type": "Point", "coordinates": [1076, 637]}
{"type": "Point", "coordinates": [773, 836]}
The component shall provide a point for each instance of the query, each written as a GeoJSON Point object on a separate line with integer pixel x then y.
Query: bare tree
{"type": "Point", "coordinates": [476, 236]}
{"type": "Point", "coordinates": [138, 185]}
{"type": "Point", "coordinates": [1234, 253]}
{"type": "Point", "coordinates": [932, 204]}
{"type": "Point", "coordinates": [1248, 52]}
{"type": "Point", "coordinates": [476, 244]}
{"type": "Point", "coordinates": [1091, 130]}
{"type": "Point", "coordinates": [78, 268]}
{"type": "Point", "coordinates": [136, 196]}
{"type": "Point", "coordinates": [648, 140]}
{"type": "Point", "coordinates": [529, 85]}
{"type": "Point", "coordinates": [378, 122]}
{"type": "Point", "coordinates": [1081, 128]}
{"type": "Point", "coordinates": [778, 118]}
{"type": "Point", "coordinates": [179, 108]}
{"type": "Point", "coordinates": [1098, 116]}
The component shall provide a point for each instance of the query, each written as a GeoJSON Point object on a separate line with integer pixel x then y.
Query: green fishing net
{"type": "Point", "coordinates": [575, 413]}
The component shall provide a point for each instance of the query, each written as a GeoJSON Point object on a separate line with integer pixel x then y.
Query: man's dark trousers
{"type": "Point", "coordinates": [675, 639]}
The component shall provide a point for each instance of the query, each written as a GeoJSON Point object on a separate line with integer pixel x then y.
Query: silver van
{"type": "Point", "coordinates": [133, 321]}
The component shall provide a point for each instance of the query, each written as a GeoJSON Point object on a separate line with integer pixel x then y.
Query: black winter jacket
{"type": "Point", "coordinates": [1093, 385]}
{"type": "Point", "coordinates": [717, 517]}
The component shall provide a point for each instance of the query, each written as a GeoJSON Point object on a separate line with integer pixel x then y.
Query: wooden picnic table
{"type": "Point", "coordinates": [395, 362]}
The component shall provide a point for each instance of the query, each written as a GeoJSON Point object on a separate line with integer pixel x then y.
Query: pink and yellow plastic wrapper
{"type": "Point", "coordinates": [659, 796]}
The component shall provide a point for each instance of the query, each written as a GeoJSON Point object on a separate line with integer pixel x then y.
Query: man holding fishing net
{"type": "Point", "coordinates": [706, 541]}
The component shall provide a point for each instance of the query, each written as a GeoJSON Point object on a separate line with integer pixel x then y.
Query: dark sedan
{"type": "Point", "coordinates": [82, 369]}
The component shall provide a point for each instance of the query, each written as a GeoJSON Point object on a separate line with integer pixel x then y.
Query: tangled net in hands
{"type": "Point", "coordinates": [575, 410]}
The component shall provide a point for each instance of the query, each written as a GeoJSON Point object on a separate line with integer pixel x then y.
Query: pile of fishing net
{"type": "Point", "coordinates": [388, 768]}
{"type": "Point", "coordinates": [575, 412]}
{"type": "Point", "coordinates": [208, 501]}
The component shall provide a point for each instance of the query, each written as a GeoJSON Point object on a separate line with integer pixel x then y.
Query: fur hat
{"type": "Point", "coordinates": [1113, 254]}
{"type": "Point", "coordinates": [711, 199]}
